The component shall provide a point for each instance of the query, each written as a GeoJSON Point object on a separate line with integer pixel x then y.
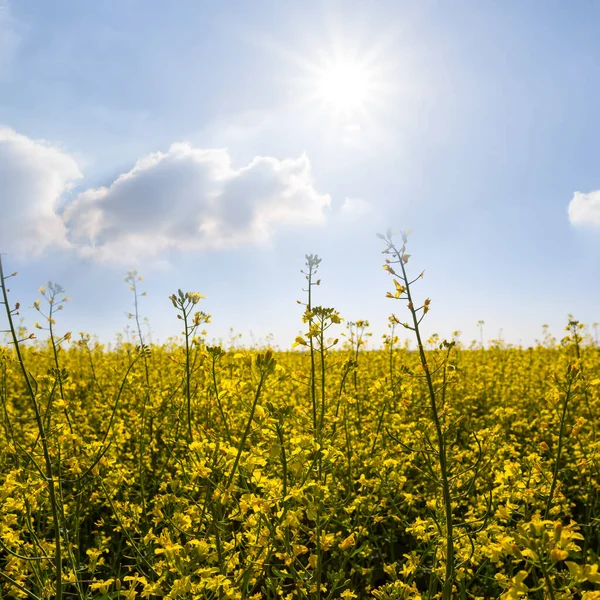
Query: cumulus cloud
{"type": "Point", "coordinates": [584, 209]}
{"type": "Point", "coordinates": [192, 198]}
{"type": "Point", "coordinates": [185, 199]}
{"type": "Point", "coordinates": [33, 177]}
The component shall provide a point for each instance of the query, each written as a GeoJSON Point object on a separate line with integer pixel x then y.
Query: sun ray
{"type": "Point", "coordinates": [346, 79]}
{"type": "Point", "coordinates": [344, 86]}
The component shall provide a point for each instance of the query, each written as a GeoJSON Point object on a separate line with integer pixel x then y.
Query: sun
{"type": "Point", "coordinates": [343, 84]}
{"type": "Point", "coordinates": [344, 87]}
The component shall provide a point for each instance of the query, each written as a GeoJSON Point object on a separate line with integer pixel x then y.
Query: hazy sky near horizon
{"type": "Point", "coordinates": [211, 145]}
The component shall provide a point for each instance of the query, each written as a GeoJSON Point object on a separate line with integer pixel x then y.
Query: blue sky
{"type": "Point", "coordinates": [193, 141]}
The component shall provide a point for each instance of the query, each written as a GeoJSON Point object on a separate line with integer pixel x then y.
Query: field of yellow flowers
{"type": "Point", "coordinates": [190, 471]}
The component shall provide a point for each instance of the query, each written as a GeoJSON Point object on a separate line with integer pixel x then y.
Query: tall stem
{"type": "Point", "coordinates": [313, 379]}
{"type": "Point", "coordinates": [57, 366]}
{"type": "Point", "coordinates": [188, 394]}
{"type": "Point", "coordinates": [133, 277]}
{"type": "Point", "coordinates": [441, 441]}
{"type": "Point", "coordinates": [50, 481]}
{"type": "Point", "coordinates": [561, 435]}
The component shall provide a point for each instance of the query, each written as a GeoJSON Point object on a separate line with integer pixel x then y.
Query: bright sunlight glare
{"type": "Point", "coordinates": [344, 87]}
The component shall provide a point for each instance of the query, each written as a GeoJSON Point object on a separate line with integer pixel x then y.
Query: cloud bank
{"type": "Point", "coordinates": [584, 209]}
{"type": "Point", "coordinates": [185, 199]}
{"type": "Point", "coordinates": [34, 175]}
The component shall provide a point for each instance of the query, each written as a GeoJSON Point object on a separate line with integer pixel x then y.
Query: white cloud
{"type": "Point", "coordinates": [185, 199]}
{"type": "Point", "coordinates": [584, 209]}
{"type": "Point", "coordinates": [355, 207]}
{"type": "Point", "coordinates": [192, 198]}
{"type": "Point", "coordinates": [33, 177]}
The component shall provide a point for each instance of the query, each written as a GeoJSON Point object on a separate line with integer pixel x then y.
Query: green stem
{"type": "Point", "coordinates": [218, 397]}
{"type": "Point", "coordinates": [246, 430]}
{"type": "Point", "coordinates": [50, 482]}
{"type": "Point", "coordinates": [559, 450]}
{"type": "Point", "coordinates": [441, 442]}
{"type": "Point", "coordinates": [188, 395]}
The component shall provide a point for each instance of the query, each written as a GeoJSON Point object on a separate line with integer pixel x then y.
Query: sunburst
{"type": "Point", "coordinates": [344, 87]}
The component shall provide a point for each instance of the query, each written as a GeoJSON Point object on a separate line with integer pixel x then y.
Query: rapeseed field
{"type": "Point", "coordinates": [186, 470]}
